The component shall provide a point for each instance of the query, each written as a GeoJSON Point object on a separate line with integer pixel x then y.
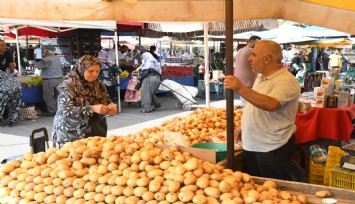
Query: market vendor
{"type": "Point", "coordinates": [268, 121]}
{"type": "Point", "coordinates": [82, 104]}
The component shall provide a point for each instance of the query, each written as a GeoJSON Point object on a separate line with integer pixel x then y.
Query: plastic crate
{"type": "Point", "coordinates": [316, 173]}
{"type": "Point", "coordinates": [342, 178]}
{"type": "Point", "coordinates": [333, 160]}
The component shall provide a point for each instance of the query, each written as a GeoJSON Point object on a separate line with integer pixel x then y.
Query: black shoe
{"type": "Point", "coordinates": [48, 114]}
{"type": "Point", "coordinates": [143, 111]}
{"type": "Point", "coordinates": [9, 124]}
{"type": "Point", "coordinates": [156, 106]}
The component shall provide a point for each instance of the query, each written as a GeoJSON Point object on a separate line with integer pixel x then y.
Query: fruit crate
{"type": "Point", "coordinates": [333, 160]}
{"type": "Point", "coordinates": [342, 178]}
{"type": "Point", "coordinates": [316, 173]}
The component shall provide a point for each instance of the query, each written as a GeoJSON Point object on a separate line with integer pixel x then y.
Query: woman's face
{"type": "Point", "coordinates": [92, 73]}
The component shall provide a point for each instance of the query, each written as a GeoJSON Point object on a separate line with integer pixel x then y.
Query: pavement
{"type": "Point", "coordinates": [14, 140]}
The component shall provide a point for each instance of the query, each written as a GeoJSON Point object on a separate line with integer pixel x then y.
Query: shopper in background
{"type": "Point", "coordinates": [82, 104]}
{"type": "Point", "coordinates": [31, 56]}
{"type": "Point", "coordinates": [268, 120]}
{"type": "Point", "coordinates": [10, 99]}
{"type": "Point", "coordinates": [335, 62]}
{"type": "Point", "coordinates": [243, 70]}
{"type": "Point", "coordinates": [150, 77]}
{"type": "Point", "coordinates": [6, 60]}
{"type": "Point", "coordinates": [325, 58]}
{"type": "Point", "coordinates": [38, 53]}
{"type": "Point", "coordinates": [52, 76]}
{"type": "Point", "coordinates": [108, 73]}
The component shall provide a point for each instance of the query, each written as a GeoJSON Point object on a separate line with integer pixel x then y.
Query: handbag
{"type": "Point", "coordinates": [97, 126]}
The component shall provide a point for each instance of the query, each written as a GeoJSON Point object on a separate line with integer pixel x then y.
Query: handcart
{"type": "Point", "coordinates": [185, 94]}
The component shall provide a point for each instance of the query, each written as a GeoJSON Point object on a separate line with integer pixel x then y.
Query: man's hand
{"type": "Point", "coordinates": [232, 82]}
{"type": "Point", "coordinates": [238, 135]}
{"type": "Point", "coordinates": [99, 108]}
{"type": "Point", "coordinates": [111, 109]}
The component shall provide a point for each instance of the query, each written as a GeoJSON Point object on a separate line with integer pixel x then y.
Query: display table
{"type": "Point", "coordinates": [330, 123]}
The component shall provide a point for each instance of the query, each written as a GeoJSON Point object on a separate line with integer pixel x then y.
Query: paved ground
{"type": "Point", "coordinates": [15, 140]}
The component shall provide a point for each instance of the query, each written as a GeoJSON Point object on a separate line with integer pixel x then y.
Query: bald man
{"type": "Point", "coordinates": [268, 121]}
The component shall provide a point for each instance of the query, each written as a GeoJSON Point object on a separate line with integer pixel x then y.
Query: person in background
{"type": "Point", "coordinates": [268, 121]}
{"type": "Point", "coordinates": [325, 58]}
{"type": "Point", "coordinates": [10, 99]}
{"type": "Point", "coordinates": [150, 77]}
{"type": "Point", "coordinates": [7, 63]}
{"type": "Point", "coordinates": [38, 53]}
{"type": "Point", "coordinates": [152, 50]}
{"type": "Point", "coordinates": [335, 61]}
{"type": "Point", "coordinates": [243, 70]}
{"type": "Point", "coordinates": [108, 73]}
{"type": "Point", "coordinates": [82, 97]}
{"type": "Point", "coordinates": [284, 55]}
{"type": "Point", "coordinates": [52, 76]}
{"type": "Point", "coordinates": [31, 57]}
{"type": "Point", "coordinates": [312, 56]}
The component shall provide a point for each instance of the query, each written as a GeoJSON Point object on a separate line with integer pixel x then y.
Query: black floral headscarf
{"type": "Point", "coordinates": [88, 93]}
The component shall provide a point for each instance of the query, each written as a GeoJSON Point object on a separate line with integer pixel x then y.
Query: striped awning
{"type": "Point", "coordinates": [184, 31]}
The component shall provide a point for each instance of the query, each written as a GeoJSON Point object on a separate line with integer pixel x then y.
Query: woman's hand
{"type": "Point", "coordinates": [111, 109]}
{"type": "Point", "coordinates": [99, 108]}
{"type": "Point", "coordinates": [238, 135]}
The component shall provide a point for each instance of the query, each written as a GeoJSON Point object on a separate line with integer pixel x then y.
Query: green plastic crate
{"type": "Point", "coordinates": [221, 149]}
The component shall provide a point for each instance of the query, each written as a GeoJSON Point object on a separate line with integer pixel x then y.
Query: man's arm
{"type": "Point", "coordinates": [123, 61]}
{"type": "Point", "coordinates": [41, 64]}
{"type": "Point", "coordinates": [259, 100]}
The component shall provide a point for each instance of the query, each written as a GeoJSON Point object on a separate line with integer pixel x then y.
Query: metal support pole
{"type": "Point", "coordinates": [18, 52]}
{"type": "Point", "coordinates": [229, 94]}
{"type": "Point", "coordinates": [207, 64]}
{"type": "Point", "coordinates": [115, 39]}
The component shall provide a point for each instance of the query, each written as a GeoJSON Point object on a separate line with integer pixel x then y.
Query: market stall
{"type": "Point", "coordinates": [331, 123]}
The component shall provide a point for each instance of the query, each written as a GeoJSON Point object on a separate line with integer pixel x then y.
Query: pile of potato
{"type": "Point", "coordinates": [198, 126]}
{"type": "Point", "coordinates": [121, 170]}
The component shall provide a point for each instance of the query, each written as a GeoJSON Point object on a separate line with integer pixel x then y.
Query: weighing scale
{"type": "Point", "coordinates": [348, 161]}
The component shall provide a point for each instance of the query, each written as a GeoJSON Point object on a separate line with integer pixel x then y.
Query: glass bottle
{"type": "Point", "coordinates": [343, 98]}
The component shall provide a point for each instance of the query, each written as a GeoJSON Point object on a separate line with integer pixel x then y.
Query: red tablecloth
{"type": "Point", "coordinates": [330, 123]}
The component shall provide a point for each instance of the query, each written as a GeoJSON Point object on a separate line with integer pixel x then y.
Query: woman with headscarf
{"type": "Point", "coordinates": [108, 73]}
{"type": "Point", "coordinates": [10, 99]}
{"type": "Point", "coordinates": [150, 78]}
{"type": "Point", "coordinates": [83, 103]}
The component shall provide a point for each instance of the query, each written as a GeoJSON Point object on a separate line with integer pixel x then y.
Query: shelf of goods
{"type": "Point", "coordinates": [134, 169]}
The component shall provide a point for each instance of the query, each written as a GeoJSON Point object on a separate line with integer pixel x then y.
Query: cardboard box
{"type": "Point", "coordinates": [320, 103]}
{"type": "Point", "coordinates": [203, 154]}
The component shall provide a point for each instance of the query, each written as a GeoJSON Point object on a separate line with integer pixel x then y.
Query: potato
{"type": "Point", "coordinates": [270, 184]}
{"type": "Point", "coordinates": [212, 192]}
{"type": "Point", "coordinates": [202, 182]}
{"type": "Point", "coordinates": [154, 173]}
{"type": "Point", "coordinates": [148, 196]}
{"type": "Point", "coordinates": [323, 194]}
{"type": "Point", "coordinates": [117, 190]}
{"type": "Point", "coordinates": [186, 196]}
{"type": "Point", "coordinates": [144, 181]}
{"type": "Point", "coordinates": [69, 192]}
{"type": "Point", "coordinates": [199, 198]}
{"type": "Point", "coordinates": [139, 191]}
{"type": "Point", "coordinates": [7, 168]}
{"type": "Point", "coordinates": [154, 186]}
{"type": "Point", "coordinates": [79, 193]}
{"type": "Point", "coordinates": [89, 195]}
{"type": "Point", "coordinates": [61, 199]}
{"type": "Point", "coordinates": [99, 197]}
{"type": "Point", "coordinates": [189, 188]}
{"type": "Point", "coordinates": [284, 195]}
{"type": "Point", "coordinates": [302, 198]}
{"type": "Point", "coordinates": [39, 197]}
{"type": "Point", "coordinates": [225, 186]}
{"type": "Point", "coordinates": [159, 196]}
{"type": "Point", "coordinates": [50, 199]}
{"type": "Point", "coordinates": [110, 198]}
{"type": "Point", "coordinates": [171, 197]}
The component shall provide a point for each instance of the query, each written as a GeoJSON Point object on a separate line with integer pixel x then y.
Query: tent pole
{"type": "Point", "coordinates": [207, 64]}
{"type": "Point", "coordinates": [18, 52]}
{"type": "Point", "coordinates": [118, 76]}
{"type": "Point", "coordinates": [229, 94]}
